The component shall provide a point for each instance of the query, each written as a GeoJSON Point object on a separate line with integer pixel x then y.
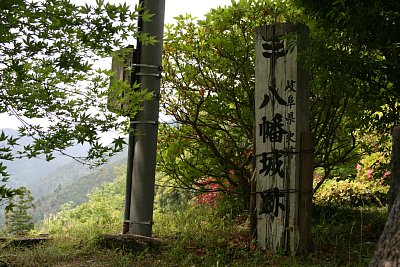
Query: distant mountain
{"type": "Point", "coordinates": [24, 172]}
{"type": "Point", "coordinates": [59, 181]}
{"type": "Point", "coordinates": [76, 190]}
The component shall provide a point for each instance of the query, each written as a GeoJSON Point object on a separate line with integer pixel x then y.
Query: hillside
{"type": "Point", "coordinates": [59, 181]}
{"type": "Point", "coordinates": [25, 172]}
{"type": "Point", "coordinates": [61, 176]}
{"type": "Point", "coordinates": [80, 183]}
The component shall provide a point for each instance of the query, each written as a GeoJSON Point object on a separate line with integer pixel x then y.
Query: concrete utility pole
{"type": "Point", "coordinates": [148, 69]}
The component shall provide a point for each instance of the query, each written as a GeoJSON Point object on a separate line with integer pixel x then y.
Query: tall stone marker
{"type": "Point", "coordinates": [283, 178]}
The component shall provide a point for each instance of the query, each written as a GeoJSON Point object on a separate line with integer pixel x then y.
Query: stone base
{"type": "Point", "coordinates": [128, 242]}
{"type": "Point", "coordinates": [22, 241]}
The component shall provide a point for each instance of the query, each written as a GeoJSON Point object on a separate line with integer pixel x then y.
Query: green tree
{"type": "Point", "coordinates": [360, 39]}
{"type": "Point", "coordinates": [48, 51]}
{"type": "Point", "coordinates": [209, 91]}
{"type": "Point", "coordinates": [18, 220]}
{"type": "Point", "coordinates": [366, 34]}
{"type": "Point", "coordinates": [355, 55]}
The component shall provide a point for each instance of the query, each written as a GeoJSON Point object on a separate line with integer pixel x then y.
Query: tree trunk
{"type": "Point", "coordinates": [387, 253]}
{"type": "Point", "coordinates": [395, 179]}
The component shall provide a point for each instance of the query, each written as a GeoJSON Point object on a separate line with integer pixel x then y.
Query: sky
{"type": "Point", "coordinates": [197, 8]}
{"type": "Point", "coordinates": [173, 8]}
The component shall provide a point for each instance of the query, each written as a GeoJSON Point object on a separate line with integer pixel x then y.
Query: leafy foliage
{"type": "Point", "coordinates": [355, 193]}
{"type": "Point", "coordinates": [103, 212]}
{"type": "Point", "coordinates": [209, 92]}
{"type": "Point", "coordinates": [169, 195]}
{"type": "Point", "coordinates": [360, 184]}
{"type": "Point", "coordinates": [353, 59]}
{"type": "Point", "coordinates": [359, 40]}
{"type": "Point", "coordinates": [47, 55]}
{"type": "Point", "coordinates": [6, 144]}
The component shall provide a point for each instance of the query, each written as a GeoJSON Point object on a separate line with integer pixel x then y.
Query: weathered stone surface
{"type": "Point", "coordinates": [22, 241]}
{"type": "Point", "coordinates": [128, 242]}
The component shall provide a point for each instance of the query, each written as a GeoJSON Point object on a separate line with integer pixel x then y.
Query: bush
{"type": "Point", "coordinates": [356, 192]}
{"type": "Point", "coordinates": [102, 213]}
{"type": "Point", "coordinates": [169, 196]}
{"type": "Point", "coordinates": [374, 167]}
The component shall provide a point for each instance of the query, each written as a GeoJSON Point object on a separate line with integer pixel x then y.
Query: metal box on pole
{"type": "Point", "coordinates": [121, 81]}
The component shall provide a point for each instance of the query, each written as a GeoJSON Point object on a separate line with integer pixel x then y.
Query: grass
{"type": "Point", "coordinates": [199, 236]}
{"type": "Point", "coordinates": [347, 236]}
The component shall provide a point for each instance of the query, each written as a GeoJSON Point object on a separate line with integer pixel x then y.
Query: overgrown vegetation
{"type": "Point", "coordinates": [352, 99]}
{"type": "Point", "coordinates": [193, 234]}
{"type": "Point", "coordinates": [206, 156]}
